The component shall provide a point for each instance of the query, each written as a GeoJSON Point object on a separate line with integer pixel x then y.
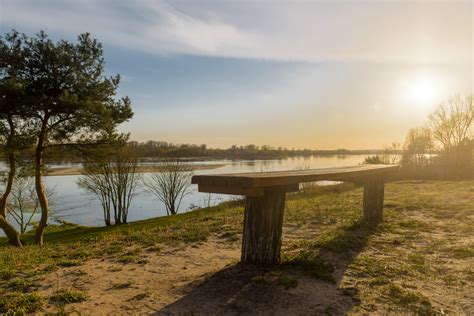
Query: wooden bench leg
{"type": "Point", "coordinates": [373, 200]}
{"type": "Point", "coordinates": [263, 220]}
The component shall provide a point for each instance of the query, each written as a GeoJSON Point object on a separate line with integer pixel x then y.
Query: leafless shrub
{"type": "Point", "coordinates": [170, 182]}
{"type": "Point", "coordinates": [23, 201]}
{"type": "Point", "coordinates": [114, 180]}
{"type": "Point", "coordinates": [417, 148]}
{"type": "Point", "coordinates": [453, 122]}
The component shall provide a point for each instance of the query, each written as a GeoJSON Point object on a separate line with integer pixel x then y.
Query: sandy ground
{"type": "Point", "coordinates": [73, 171]}
{"type": "Point", "coordinates": [164, 279]}
{"type": "Point", "coordinates": [207, 279]}
{"type": "Point", "coordinates": [204, 278]}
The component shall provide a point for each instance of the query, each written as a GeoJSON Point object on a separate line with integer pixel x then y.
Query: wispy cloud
{"type": "Point", "coordinates": [403, 31]}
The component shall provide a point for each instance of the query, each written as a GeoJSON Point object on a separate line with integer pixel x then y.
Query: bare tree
{"type": "Point", "coordinates": [97, 181]}
{"type": "Point", "coordinates": [207, 200]}
{"type": "Point", "coordinates": [170, 182]}
{"type": "Point", "coordinates": [390, 155]}
{"type": "Point", "coordinates": [452, 123]}
{"type": "Point", "coordinates": [418, 146]}
{"type": "Point", "coordinates": [114, 181]}
{"type": "Point", "coordinates": [23, 201]}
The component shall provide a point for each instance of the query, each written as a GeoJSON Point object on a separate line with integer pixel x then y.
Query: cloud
{"type": "Point", "coordinates": [407, 32]}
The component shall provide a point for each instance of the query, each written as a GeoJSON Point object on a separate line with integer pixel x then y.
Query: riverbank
{"type": "Point", "coordinates": [419, 261]}
{"type": "Point", "coordinates": [75, 171]}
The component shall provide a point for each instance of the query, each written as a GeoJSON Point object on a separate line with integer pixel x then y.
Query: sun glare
{"type": "Point", "coordinates": [422, 90]}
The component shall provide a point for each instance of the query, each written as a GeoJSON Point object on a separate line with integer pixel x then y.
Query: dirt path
{"type": "Point", "coordinates": [202, 278]}
{"type": "Point", "coordinates": [139, 288]}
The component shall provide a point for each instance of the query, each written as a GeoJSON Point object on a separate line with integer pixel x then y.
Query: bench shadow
{"type": "Point", "coordinates": [289, 288]}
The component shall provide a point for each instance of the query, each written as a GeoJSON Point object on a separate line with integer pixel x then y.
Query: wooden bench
{"type": "Point", "coordinates": [265, 202]}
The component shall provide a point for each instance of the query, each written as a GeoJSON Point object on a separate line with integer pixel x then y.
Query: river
{"type": "Point", "coordinates": [72, 204]}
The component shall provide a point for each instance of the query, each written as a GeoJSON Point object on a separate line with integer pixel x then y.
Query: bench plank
{"type": "Point", "coordinates": [279, 178]}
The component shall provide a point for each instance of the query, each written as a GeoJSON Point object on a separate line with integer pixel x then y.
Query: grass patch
{"type": "Point", "coordinates": [140, 296]}
{"type": "Point", "coordinates": [462, 252]}
{"type": "Point", "coordinates": [155, 249]}
{"type": "Point", "coordinates": [6, 274]}
{"type": "Point", "coordinates": [417, 262]}
{"type": "Point", "coordinates": [349, 237]}
{"type": "Point", "coordinates": [381, 280]}
{"type": "Point", "coordinates": [68, 297]}
{"type": "Point", "coordinates": [126, 259]}
{"type": "Point", "coordinates": [408, 300]}
{"type": "Point", "coordinates": [19, 284]}
{"type": "Point", "coordinates": [114, 269]}
{"type": "Point", "coordinates": [368, 266]}
{"type": "Point", "coordinates": [312, 265]}
{"type": "Point", "coordinates": [287, 282]}
{"type": "Point", "coordinates": [120, 286]}
{"type": "Point", "coordinates": [69, 263]}
{"type": "Point", "coordinates": [20, 303]}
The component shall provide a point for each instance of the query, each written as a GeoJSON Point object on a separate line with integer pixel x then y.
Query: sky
{"type": "Point", "coordinates": [296, 74]}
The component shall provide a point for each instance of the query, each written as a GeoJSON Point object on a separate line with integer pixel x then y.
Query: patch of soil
{"type": "Point", "coordinates": [139, 288]}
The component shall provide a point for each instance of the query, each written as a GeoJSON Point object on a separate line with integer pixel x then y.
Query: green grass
{"type": "Point", "coordinates": [424, 237]}
{"type": "Point", "coordinates": [312, 264]}
{"type": "Point", "coordinates": [19, 284]}
{"type": "Point", "coordinates": [20, 303]}
{"type": "Point", "coordinates": [68, 297]}
{"type": "Point", "coordinates": [409, 300]}
{"type": "Point", "coordinates": [69, 263]}
{"type": "Point", "coordinates": [69, 245]}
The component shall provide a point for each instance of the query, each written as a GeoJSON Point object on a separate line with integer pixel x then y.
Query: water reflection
{"type": "Point", "coordinates": [73, 205]}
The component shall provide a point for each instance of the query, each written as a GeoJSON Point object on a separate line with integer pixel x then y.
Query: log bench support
{"type": "Point", "coordinates": [263, 222]}
{"type": "Point", "coordinates": [373, 200]}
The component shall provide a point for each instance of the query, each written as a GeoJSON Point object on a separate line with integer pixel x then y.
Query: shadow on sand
{"type": "Point", "coordinates": [285, 290]}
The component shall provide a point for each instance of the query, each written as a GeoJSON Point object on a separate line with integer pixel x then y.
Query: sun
{"type": "Point", "coordinates": [422, 90]}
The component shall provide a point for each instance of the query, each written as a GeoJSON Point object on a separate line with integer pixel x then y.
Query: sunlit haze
{"type": "Point", "coordinates": [321, 74]}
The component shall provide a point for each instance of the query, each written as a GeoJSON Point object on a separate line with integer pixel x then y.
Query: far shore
{"type": "Point", "coordinates": [75, 171]}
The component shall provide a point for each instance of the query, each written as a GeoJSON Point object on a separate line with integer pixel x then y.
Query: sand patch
{"type": "Point", "coordinates": [139, 288]}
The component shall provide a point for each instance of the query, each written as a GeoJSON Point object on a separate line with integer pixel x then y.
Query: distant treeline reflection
{"type": "Point", "coordinates": [163, 149]}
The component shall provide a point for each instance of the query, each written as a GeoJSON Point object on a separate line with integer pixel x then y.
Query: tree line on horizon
{"type": "Point", "coordinates": [162, 150]}
{"type": "Point", "coordinates": [159, 149]}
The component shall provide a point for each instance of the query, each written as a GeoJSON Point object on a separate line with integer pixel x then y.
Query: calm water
{"type": "Point", "coordinates": [71, 204]}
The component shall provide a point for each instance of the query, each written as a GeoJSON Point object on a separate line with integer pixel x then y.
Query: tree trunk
{"type": "Point", "coordinates": [263, 220]}
{"type": "Point", "coordinates": [40, 191]}
{"type": "Point", "coordinates": [10, 231]}
{"type": "Point", "coordinates": [373, 200]}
